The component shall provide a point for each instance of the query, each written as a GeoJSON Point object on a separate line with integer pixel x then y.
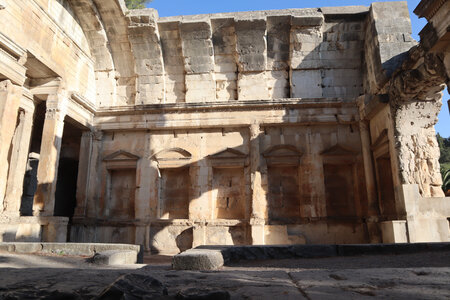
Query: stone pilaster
{"type": "Point", "coordinates": [19, 157]}
{"type": "Point", "coordinates": [44, 199]}
{"type": "Point", "coordinates": [95, 176]}
{"type": "Point", "coordinates": [83, 182]}
{"type": "Point", "coordinates": [258, 204]}
{"type": "Point", "coordinates": [10, 96]}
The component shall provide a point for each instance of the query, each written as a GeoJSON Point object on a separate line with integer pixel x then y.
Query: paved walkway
{"type": "Point", "coordinates": [409, 276]}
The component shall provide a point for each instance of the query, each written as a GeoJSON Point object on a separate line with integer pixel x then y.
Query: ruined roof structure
{"type": "Point", "coordinates": [271, 127]}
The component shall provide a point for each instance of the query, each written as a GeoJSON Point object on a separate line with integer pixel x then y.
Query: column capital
{"type": "Point", "coordinates": [255, 130]}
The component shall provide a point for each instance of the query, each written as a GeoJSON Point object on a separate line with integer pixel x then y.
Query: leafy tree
{"type": "Point", "coordinates": [135, 4]}
{"type": "Point", "coordinates": [444, 160]}
{"type": "Point", "coordinates": [446, 182]}
{"type": "Point", "coordinates": [444, 146]}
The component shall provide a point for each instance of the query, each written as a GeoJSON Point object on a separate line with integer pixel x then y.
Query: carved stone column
{"type": "Point", "coordinates": [10, 95]}
{"type": "Point", "coordinates": [44, 199]}
{"type": "Point", "coordinates": [19, 157]}
{"type": "Point", "coordinates": [258, 204]}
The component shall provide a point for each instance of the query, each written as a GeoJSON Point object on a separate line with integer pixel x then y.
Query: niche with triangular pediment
{"type": "Point", "coordinates": [120, 185]}
{"type": "Point", "coordinates": [282, 155]}
{"type": "Point", "coordinates": [228, 158]}
{"type": "Point", "coordinates": [121, 159]}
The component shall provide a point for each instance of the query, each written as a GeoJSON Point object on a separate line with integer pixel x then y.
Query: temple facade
{"type": "Point", "coordinates": [295, 126]}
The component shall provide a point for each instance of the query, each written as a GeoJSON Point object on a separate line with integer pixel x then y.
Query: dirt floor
{"type": "Point", "coordinates": [409, 276]}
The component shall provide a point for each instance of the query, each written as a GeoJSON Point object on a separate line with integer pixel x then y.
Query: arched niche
{"type": "Point", "coordinates": [173, 183]}
{"type": "Point", "coordinates": [172, 158]}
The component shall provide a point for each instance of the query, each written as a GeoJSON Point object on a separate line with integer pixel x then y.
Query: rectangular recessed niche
{"type": "Point", "coordinates": [284, 196]}
{"type": "Point", "coordinates": [339, 190]}
{"type": "Point", "coordinates": [121, 192]}
{"type": "Point", "coordinates": [174, 193]}
{"type": "Point", "coordinates": [228, 193]}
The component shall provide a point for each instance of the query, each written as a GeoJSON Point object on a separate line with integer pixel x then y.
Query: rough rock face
{"type": "Point", "coordinates": [134, 286]}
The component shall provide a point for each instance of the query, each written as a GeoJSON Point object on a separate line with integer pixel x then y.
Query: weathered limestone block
{"type": "Point", "coordinates": [252, 86]}
{"type": "Point", "coordinates": [225, 66]}
{"type": "Point", "coordinates": [278, 42]}
{"type": "Point", "coordinates": [251, 44]}
{"type": "Point", "coordinates": [341, 83]}
{"type": "Point", "coordinates": [197, 47]}
{"type": "Point", "coordinates": [10, 95]}
{"type": "Point", "coordinates": [388, 37]}
{"type": "Point", "coordinates": [107, 88]}
{"type": "Point", "coordinates": [198, 55]}
{"type": "Point", "coordinates": [146, 46]}
{"type": "Point", "coordinates": [252, 58]}
{"type": "Point", "coordinates": [304, 47]}
{"type": "Point", "coordinates": [306, 84]}
{"type": "Point", "coordinates": [173, 62]}
{"type": "Point", "coordinates": [200, 87]}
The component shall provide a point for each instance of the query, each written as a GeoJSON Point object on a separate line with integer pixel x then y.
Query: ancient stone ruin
{"type": "Point", "coordinates": [272, 127]}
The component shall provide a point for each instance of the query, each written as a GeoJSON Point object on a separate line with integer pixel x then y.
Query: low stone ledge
{"type": "Point", "coordinates": [114, 257]}
{"type": "Point", "coordinates": [78, 249]}
{"type": "Point", "coordinates": [214, 257]}
{"type": "Point", "coordinates": [198, 259]}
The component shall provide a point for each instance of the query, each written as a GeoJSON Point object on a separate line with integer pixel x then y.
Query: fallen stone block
{"type": "Point", "coordinates": [114, 257]}
{"type": "Point", "coordinates": [198, 259]}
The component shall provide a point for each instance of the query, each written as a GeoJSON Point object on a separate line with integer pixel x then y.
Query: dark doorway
{"type": "Point", "coordinates": [66, 186]}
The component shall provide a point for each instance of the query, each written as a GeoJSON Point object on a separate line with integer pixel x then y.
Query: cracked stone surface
{"type": "Point", "coordinates": [409, 276]}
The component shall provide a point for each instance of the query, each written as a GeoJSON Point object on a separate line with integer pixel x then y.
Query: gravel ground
{"type": "Point", "coordinates": [409, 276]}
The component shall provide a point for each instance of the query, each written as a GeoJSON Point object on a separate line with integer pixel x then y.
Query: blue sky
{"type": "Point", "coordinates": [185, 7]}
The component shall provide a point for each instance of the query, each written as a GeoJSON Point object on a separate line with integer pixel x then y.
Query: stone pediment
{"type": "Point", "coordinates": [282, 155]}
{"type": "Point", "coordinates": [338, 150]}
{"type": "Point", "coordinates": [172, 158]}
{"type": "Point", "coordinates": [228, 158]}
{"type": "Point", "coordinates": [121, 160]}
{"type": "Point", "coordinates": [339, 155]}
{"type": "Point", "coordinates": [228, 153]}
{"type": "Point", "coordinates": [121, 155]}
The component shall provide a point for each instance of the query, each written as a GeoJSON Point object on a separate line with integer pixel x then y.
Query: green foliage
{"type": "Point", "coordinates": [444, 146]}
{"type": "Point", "coordinates": [444, 160]}
{"type": "Point", "coordinates": [446, 182]}
{"type": "Point", "coordinates": [135, 4]}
